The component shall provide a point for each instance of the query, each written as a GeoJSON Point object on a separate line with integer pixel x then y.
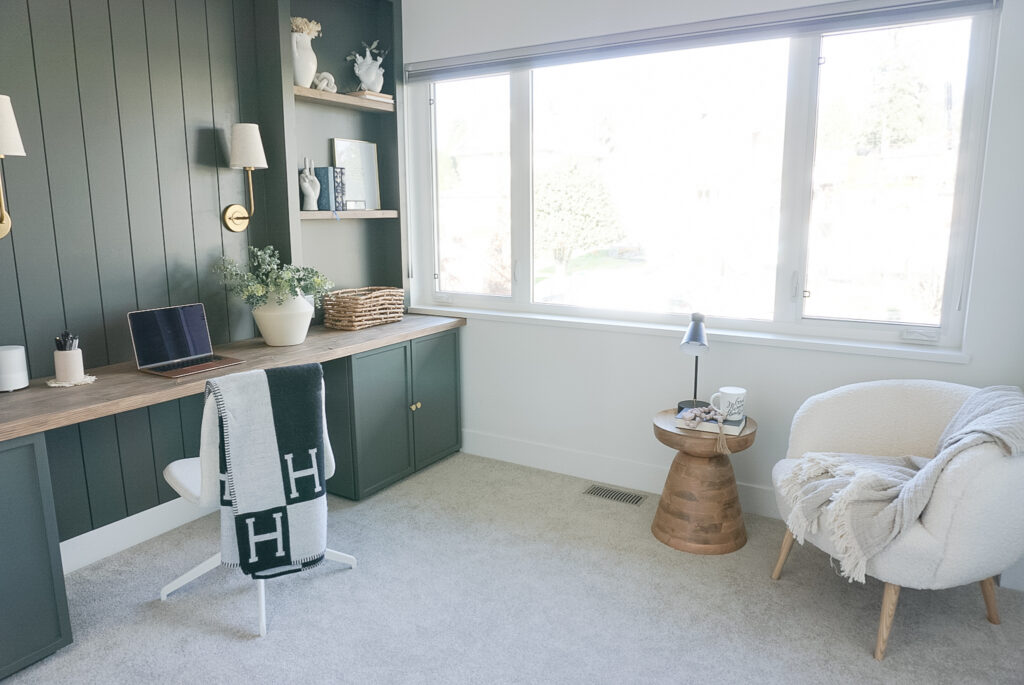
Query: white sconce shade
{"type": "Point", "coordinates": [10, 139]}
{"type": "Point", "coordinates": [247, 147]}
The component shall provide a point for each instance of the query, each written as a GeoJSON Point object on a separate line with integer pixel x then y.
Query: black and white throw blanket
{"type": "Point", "coordinates": [273, 450]}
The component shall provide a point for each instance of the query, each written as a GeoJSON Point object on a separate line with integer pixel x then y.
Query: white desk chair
{"type": "Point", "coordinates": [197, 479]}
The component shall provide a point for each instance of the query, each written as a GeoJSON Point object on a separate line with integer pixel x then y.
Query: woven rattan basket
{"type": "Point", "coordinates": [355, 308]}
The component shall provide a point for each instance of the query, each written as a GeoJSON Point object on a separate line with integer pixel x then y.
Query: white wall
{"type": "Point", "coordinates": [580, 400]}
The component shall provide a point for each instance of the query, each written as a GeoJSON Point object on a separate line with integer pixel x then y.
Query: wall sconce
{"type": "Point", "coordinates": [246, 153]}
{"type": "Point", "coordinates": [10, 144]}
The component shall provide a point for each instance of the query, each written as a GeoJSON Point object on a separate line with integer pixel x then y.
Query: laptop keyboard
{"type": "Point", "coordinates": [188, 362]}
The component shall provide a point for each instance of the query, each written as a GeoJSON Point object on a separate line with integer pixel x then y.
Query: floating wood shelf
{"type": "Point", "coordinates": [342, 100]}
{"type": "Point", "coordinates": [350, 214]}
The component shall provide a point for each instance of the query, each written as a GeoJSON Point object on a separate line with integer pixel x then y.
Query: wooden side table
{"type": "Point", "coordinates": [699, 510]}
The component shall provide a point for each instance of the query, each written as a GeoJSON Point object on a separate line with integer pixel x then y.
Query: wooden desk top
{"type": "Point", "coordinates": [122, 387]}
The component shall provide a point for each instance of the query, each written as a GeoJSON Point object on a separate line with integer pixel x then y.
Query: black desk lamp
{"type": "Point", "coordinates": [694, 342]}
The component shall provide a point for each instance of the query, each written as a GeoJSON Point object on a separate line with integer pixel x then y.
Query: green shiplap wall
{"type": "Point", "coordinates": [124, 107]}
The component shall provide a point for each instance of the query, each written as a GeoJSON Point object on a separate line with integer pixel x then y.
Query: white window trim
{"type": "Point", "coordinates": [788, 327]}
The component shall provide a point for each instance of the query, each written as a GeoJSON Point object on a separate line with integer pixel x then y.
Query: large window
{"type": "Point", "coordinates": [818, 183]}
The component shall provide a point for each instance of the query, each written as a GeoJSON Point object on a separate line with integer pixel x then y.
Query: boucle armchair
{"type": "Point", "coordinates": [973, 526]}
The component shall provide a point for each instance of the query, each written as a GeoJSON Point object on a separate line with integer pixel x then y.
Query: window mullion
{"type": "Point", "coordinates": [968, 180]}
{"type": "Point", "coordinates": [797, 163]}
{"type": "Point", "coordinates": [521, 191]}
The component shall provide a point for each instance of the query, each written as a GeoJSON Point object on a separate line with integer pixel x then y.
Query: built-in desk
{"type": "Point", "coordinates": [33, 606]}
{"type": "Point", "coordinates": [121, 387]}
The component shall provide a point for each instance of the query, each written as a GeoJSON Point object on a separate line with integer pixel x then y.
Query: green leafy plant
{"type": "Point", "coordinates": [265, 277]}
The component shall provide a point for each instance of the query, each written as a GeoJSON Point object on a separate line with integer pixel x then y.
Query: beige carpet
{"type": "Point", "coordinates": [477, 571]}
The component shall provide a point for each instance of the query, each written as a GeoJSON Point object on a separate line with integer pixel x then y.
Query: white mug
{"type": "Point", "coordinates": [730, 401]}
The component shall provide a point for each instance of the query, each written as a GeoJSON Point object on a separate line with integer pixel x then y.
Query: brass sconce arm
{"type": "Point", "coordinates": [236, 217]}
{"type": "Point", "coordinates": [5, 218]}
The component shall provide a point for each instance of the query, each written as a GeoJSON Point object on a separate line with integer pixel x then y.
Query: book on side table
{"type": "Point", "coordinates": [729, 427]}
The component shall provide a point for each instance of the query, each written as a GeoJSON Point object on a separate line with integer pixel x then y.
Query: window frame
{"type": "Point", "coordinates": [798, 159]}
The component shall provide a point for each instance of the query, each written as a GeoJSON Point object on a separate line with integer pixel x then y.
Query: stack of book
{"type": "Point", "coordinates": [729, 426]}
{"type": "Point", "coordinates": [332, 188]}
{"type": "Point", "coordinates": [370, 95]}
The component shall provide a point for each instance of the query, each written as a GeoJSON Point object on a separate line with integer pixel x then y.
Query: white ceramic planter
{"type": "Point", "coordinates": [303, 60]}
{"type": "Point", "coordinates": [284, 324]}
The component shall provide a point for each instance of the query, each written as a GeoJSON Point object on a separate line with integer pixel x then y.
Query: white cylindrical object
{"type": "Point", "coordinates": [68, 366]}
{"type": "Point", "coordinates": [13, 367]}
{"type": "Point", "coordinates": [247, 147]}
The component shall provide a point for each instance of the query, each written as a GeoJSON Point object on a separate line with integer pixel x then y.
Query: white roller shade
{"type": "Point", "coordinates": [444, 38]}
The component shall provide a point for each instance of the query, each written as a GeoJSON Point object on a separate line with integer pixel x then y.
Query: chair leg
{"type": "Point", "coordinates": [889, 599]}
{"type": "Point", "coordinates": [988, 591]}
{"type": "Point", "coordinates": [787, 545]}
{"type": "Point", "coordinates": [187, 577]}
{"type": "Point", "coordinates": [261, 602]}
{"type": "Point", "coordinates": [339, 556]}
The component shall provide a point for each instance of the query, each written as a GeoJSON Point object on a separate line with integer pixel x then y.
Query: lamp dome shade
{"type": "Point", "coordinates": [10, 138]}
{"type": "Point", "coordinates": [695, 340]}
{"type": "Point", "coordinates": [247, 147]}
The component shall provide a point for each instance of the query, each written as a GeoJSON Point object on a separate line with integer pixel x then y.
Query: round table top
{"type": "Point", "coordinates": [699, 443]}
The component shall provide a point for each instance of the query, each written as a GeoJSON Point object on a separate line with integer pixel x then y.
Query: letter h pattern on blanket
{"type": "Point", "coordinates": [273, 501]}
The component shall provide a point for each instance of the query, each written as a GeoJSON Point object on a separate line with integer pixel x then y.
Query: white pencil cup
{"type": "Point", "coordinates": [67, 365]}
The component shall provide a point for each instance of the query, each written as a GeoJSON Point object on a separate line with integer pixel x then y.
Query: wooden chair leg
{"type": "Point", "coordinates": [787, 545]}
{"type": "Point", "coordinates": [889, 599]}
{"type": "Point", "coordinates": [988, 591]}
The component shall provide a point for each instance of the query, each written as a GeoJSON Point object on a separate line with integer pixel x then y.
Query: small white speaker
{"type": "Point", "coordinates": [13, 368]}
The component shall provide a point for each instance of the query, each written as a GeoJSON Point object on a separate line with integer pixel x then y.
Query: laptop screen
{"type": "Point", "coordinates": [169, 334]}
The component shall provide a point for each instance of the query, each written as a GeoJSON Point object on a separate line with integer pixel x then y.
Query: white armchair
{"type": "Point", "coordinates": [973, 526]}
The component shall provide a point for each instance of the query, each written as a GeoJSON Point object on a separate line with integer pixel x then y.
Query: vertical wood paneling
{"type": "Point", "coordinates": [226, 111]}
{"type": "Point", "coordinates": [201, 141]}
{"type": "Point", "coordinates": [249, 103]}
{"type": "Point", "coordinates": [67, 474]}
{"type": "Point", "coordinates": [191, 419]}
{"type": "Point", "coordinates": [171, 151]}
{"type": "Point", "coordinates": [165, 422]}
{"type": "Point", "coordinates": [32, 238]}
{"type": "Point", "coordinates": [102, 471]}
{"type": "Point", "coordinates": [12, 328]}
{"type": "Point", "coordinates": [53, 42]}
{"type": "Point", "coordinates": [123, 106]}
{"type": "Point", "coordinates": [109, 200]}
{"type": "Point", "coordinates": [137, 467]}
{"type": "Point", "coordinates": [138, 150]}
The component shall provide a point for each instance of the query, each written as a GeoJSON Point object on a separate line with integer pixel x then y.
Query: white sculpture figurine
{"type": "Point", "coordinates": [309, 186]}
{"type": "Point", "coordinates": [325, 81]}
{"type": "Point", "coordinates": [369, 71]}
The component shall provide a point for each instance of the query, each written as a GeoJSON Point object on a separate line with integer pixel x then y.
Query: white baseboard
{"type": "Point", "coordinates": [118, 536]}
{"type": "Point", "coordinates": [756, 499]}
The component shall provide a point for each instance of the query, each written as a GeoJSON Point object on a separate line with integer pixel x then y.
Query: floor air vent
{"type": "Point", "coordinates": [615, 495]}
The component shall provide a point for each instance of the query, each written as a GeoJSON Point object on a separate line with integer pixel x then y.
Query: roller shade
{"type": "Point", "coordinates": [821, 17]}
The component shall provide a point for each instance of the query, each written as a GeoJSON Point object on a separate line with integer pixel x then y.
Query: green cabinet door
{"type": "Point", "coordinates": [382, 420]}
{"type": "Point", "coordinates": [33, 604]}
{"type": "Point", "coordinates": [437, 430]}
{"type": "Point", "coordinates": [338, 408]}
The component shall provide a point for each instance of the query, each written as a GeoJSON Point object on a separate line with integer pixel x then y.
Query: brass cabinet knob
{"type": "Point", "coordinates": [412, 406]}
{"type": "Point", "coordinates": [419, 405]}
